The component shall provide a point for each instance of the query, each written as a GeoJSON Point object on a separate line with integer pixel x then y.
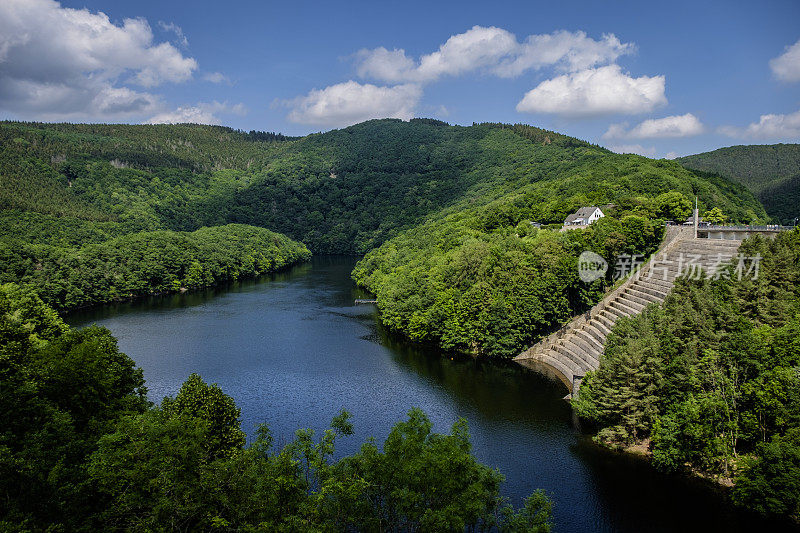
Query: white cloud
{"type": "Point", "coordinates": [351, 102]}
{"type": "Point", "coordinates": [786, 66]}
{"type": "Point", "coordinates": [183, 115]}
{"type": "Point", "coordinates": [202, 113]}
{"type": "Point", "coordinates": [388, 65]}
{"type": "Point", "coordinates": [671, 155]}
{"type": "Point", "coordinates": [475, 48]}
{"type": "Point", "coordinates": [75, 101]}
{"type": "Point", "coordinates": [616, 131]}
{"type": "Point", "coordinates": [772, 126]}
{"type": "Point", "coordinates": [464, 52]}
{"type": "Point", "coordinates": [216, 77]}
{"type": "Point", "coordinates": [595, 92]}
{"type": "Point", "coordinates": [68, 63]}
{"type": "Point", "coordinates": [633, 149]}
{"type": "Point", "coordinates": [596, 89]}
{"type": "Point", "coordinates": [494, 50]}
{"type": "Point", "coordinates": [658, 128]}
{"type": "Point", "coordinates": [567, 50]}
{"type": "Point", "coordinates": [183, 42]}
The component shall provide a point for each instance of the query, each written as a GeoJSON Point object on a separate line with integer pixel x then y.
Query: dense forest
{"type": "Point", "coordinates": [483, 280]}
{"type": "Point", "coordinates": [70, 275]}
{"type": "Point", "coordinates": [83, 450]}
{"type": "Point", "coordinates": [92, 199]}
{"type": "Point", "coordinates": [491, 291]}
{"type": "Point", "coordinates": [459, 226]}
{"type": "Point", "coordinates": [710, 380]}
{"type": "Point", "coordinates": [771, 172]}
{"type": "Point", "coordinates": [344, 191]}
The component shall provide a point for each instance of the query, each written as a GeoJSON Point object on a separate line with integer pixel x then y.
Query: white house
{"type": "Point", "coordinates": [583, 216]}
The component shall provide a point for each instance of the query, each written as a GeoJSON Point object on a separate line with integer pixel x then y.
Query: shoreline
{"type": "Point", "coordinates": [64, 313]}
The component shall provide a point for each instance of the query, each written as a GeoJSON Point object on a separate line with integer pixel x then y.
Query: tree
{"type": "Point", "coordinates": [196, 399]}
{"type": "Point", "coordinates": [534, 517]}
{"type": "Point", "coordinates": [673, 205]}
{"type": "Point", "coordinates": [769, 482]}
{"type": "Point", "coordinates": [61, 390]}
{"type": "Point", "coordinates": [622, 395]}
{"type": "Point", "coordinates": [153, 473]}
{"type": "Point", "coordinates": [715, 216]}
{"type": "Point", "coordinates": [421, 480]}
{"type": "Point", "coordinates": [26, 322]}
{"type": "Point", "coordinates": [148, 472]}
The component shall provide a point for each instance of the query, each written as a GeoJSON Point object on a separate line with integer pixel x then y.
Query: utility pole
{"type": "Point", "coordinates": [696, 216]}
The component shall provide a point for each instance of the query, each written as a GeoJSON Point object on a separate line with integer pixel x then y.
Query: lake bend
{"type": "Point", "coordinates": [292, 349]}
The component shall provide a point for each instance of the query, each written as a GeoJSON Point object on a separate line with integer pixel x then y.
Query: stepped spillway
{"type": "Point", "coordinates": [578, 346]}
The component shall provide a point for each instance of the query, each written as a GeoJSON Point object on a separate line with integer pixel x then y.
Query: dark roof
{"type": "Point", "coordinates": [582, 213]}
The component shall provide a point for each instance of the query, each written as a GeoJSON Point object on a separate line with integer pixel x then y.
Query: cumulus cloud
{"type": "Point", "coordinates": [633, 149]}
{"type": "Point", "coordinates": [78, 100]}
{"type": "Point", "coordinates": [595, 86]}
{"type": "Point", "coordinates": [568, 51]}
{"type": "Point", "coordinates": [351, 102]}
{"type": "Point", "coordinates": [58, 62]}
{"type": "Point", "coordinates": [772, 126]}
{"type": "Point", "coordinates": [658, 128]}
{"type": "Point", "coordinates": [387, 65]}
{"type": "Point", "coordinates": [201, 113]}
{"type": "Point", "coordinates": [786, 66]}
{"type": "Point", "coordinates": [595, 92]}
{"type": "Point", "coordinates": [494, 50]}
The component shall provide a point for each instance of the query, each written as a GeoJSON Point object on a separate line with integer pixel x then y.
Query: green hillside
{"type": "Point", "coordinates": [446, 210]}
{"type": "Point", "coordinates": [344, 191]}
{"type": "Point", "coordinates": [771, 172]}
{"type": "Point", "coordinates": [481, 279]}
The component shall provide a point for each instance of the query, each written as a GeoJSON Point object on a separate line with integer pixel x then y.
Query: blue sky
{"type": "Point", "coordinates": [661, 79]}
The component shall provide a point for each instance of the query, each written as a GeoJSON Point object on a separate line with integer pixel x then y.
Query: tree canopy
{"type": "Point", "coordinates": [710, 380]}
{"type": "Point", "coordinates": [83, 450]}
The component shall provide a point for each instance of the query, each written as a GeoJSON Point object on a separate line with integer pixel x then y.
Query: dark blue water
{"type": "Point", "coordinates": [292, 350]}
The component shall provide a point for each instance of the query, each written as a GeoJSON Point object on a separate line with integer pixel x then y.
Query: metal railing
{"type": "Point", "coordinates": [742, 227]}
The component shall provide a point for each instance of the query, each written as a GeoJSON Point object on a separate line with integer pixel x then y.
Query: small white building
{"type": "Point", "coordinates": [690, 221]}
{"type": "Point", "coordinates": [583, 217]}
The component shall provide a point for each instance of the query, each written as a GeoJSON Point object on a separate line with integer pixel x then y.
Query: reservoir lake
{"type": "Point", "coordinates": [292, 349]}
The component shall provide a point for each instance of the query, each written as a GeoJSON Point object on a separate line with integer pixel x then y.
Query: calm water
{"type": "Point", "coordinates": [292, 349]}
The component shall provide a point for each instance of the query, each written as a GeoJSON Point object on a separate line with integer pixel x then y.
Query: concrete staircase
{"type": "Point", "coordinates": [578, 346]}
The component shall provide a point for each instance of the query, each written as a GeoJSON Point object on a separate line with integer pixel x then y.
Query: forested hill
{"type": "Point", "coordinates": [64, 187]}
{"type": "Point", "coordinates": [343, 191]}
{"type": "Point", "coordinates": [771, 172]}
